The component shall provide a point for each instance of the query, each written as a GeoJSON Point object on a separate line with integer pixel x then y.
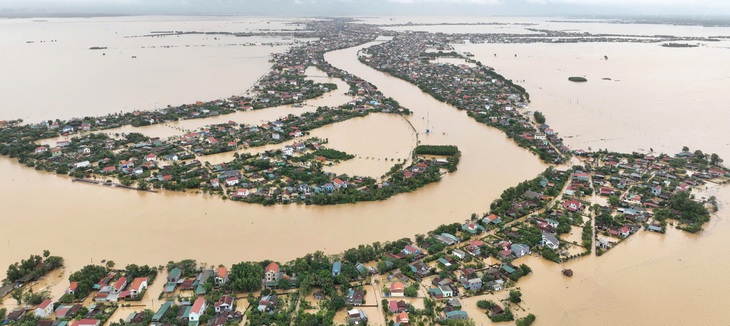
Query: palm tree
{"type": "Point", "coordinates": [110, 264]}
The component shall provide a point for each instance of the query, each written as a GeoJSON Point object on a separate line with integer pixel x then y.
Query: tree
{"type": "Point", "coordinates": [143, 185]}
{"type": "Point", "coordinates": [515, 296]}
{"type": "Point", "coordinates": [525, 321]}
{"type": "Point", "coordinates": [715, 159]}
{"type": "Point", "coordinates": [685, 149]}
{"type": "Point", "coordinates": [110, 264]}
{"type": "Point", "coordinates": [17, 294]}
{"type": "Point", "coordinates": [46, 253]}
{"type": "Point", "coordinates": [539, 117]}
{"type": "Point", "coordinates": [614, 201]}
{"type": "Point", "coordinates": [485, 304]}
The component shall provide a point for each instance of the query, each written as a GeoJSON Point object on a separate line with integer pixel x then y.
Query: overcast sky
{"type": "Point", "coordinates": [370, 7]}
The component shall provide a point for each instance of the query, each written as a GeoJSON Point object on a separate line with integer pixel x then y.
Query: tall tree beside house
{"type": "Point", "coordinates": [17, 294]}
{"type": "Point", "coordinates": [539, 117]}
{"type": "Point", "coordinates": [86, 278]}
{"type": "Point", "coordinates": [715, 159]}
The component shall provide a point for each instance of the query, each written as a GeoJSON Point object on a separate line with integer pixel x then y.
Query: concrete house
{"type": "Point", "coordinates": [44, 310]}
{"type": "Point", "coordinates": [550, 240]}
{"type": "Point", "coordinates": [520, 250]}
{"type": "Point", "coordinates": [197, 310]}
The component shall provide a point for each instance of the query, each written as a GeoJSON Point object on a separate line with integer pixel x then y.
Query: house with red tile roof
{"type": "Point", "coordinates": [87, 322]}
{"type": "Point", "coordinates": [138, 286]}
{"type": "Point", "coordinates": [221, 276]}
{"type": "Point", "coordinates": [72, 288]}
{"type": "Point", "coordinates": [119, 285]}
{"type": "Point", "coordinates": [44, 310]}
{"type": "Point", "coordinates": [272, 274]}
{"type": "Point", "coordinates": [573, 205]}
{"type": "Point", "coordinates": [197, 310]}
{"type": "Point", "coordinates": [225, 303]}
{"type": "Point", "coordinates": [397, 289]}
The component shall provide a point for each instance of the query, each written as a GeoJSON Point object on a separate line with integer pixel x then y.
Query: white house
{"type": "Point", "coordinates": [447, 292]}
{"type": "Point", "coordinates": [459, 253]}
{"type": "Point", "coordinates": [225, 303]}
{"type": "Point", "coordinates": [150, 157]}
{"type": "Point", "coordinates": [45, 309]}
{"type": "Point", "coordinates": [138, 286]}
{"type": "Point", "coordinates": [550, 240]}
{"type": "Point", "coordinates": [232, 181]}
{"type": "Point", "coordinates": [82, 164]}
{"type": "Point", "coordinates": [241, 193]}
{"type": "Point", "coordinates": [197, 310]}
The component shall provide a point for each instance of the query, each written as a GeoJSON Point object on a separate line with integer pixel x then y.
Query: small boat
{"type": "Point", "coordinates": [134, 57]}
{"type": "Point", "coordinates": [568, 272]}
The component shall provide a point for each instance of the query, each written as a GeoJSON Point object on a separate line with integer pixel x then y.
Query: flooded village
{"type": "Point", "coordinates": [584, 203]}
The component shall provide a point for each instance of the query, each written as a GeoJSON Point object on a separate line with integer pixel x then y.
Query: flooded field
{"type": "Point", "coordinates": [649, 279]}
{"type": "Point", "coordinates": [133, 73]}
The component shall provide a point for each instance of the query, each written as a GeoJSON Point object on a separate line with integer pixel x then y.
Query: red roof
{"type": "Point", "coordinates": [396, 287]}
{"type": "Point", "coordinates": [492, 217]}
{"type": "Point", "coordinates": [222, 271]}
{"type": "Point", "coordinates": [120, 283]}
{"type": "Point", "coordinates": [272, 267]}
{"type": "Point", "coordinates": [73, 286]}
{"type": "Point", "coordinates": [137, 283]}
{"type": "Point", "coordinates": [624, 230]}
{"type": "Point", "coordinates": [198, 305]}
{"type": "Point", "coordinates": [85, 322]}
{"type": "Point", "coordinates": [226, 299]}
{"type": "Point", "coordinates": [45, 304]}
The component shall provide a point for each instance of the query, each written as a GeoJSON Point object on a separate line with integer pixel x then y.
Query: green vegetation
{"type": "Point", "coordinates": [505, 316]}
{"type": "Point", "coordinates": [485, 304]}
{"type": "Point", "coordinates": [515, 296]}
{"type": "Point", "coordinates": [445, 150]}
{"type": "Point", "coordinates": [411, 290]}
{"type": "Point", "coordinates": [34, 267]}
{"type": "Point", "coordinates": [333, 154]}
{"type": "Point", "coordinates": [189, 267]}
{"type": "Point", "coordinates": [682, 208]}
{"type": "Point", "coordinates": [539, 117]}
{"type": "Point", "coordinates": [246, 276]}
{"type": "Point", "coordinates": [525, 321]}
{"type": "Point", "coordinates": [587, 235]}
{"type": "Point", "coordinates": [86, 278]}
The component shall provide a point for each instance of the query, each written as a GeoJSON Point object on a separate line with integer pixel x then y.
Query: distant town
{"type": "Point", "coordinates": [585, 202]}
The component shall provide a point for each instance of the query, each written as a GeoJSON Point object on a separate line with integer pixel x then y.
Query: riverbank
{"type": "Point", "coordinates": [469, 163]}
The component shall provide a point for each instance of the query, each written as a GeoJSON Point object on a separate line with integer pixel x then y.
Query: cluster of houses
{"type": "Point", "coordinates": [485, 95]}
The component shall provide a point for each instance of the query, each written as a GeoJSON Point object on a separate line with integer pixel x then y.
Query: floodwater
{"type": "Point", "coordinates": [58, 76]}
{"type": "Point", "coordinates": [86, 224]}
{"type": "Point", "coordinates": [253, 117]}
{"type": "Point", "coordinates": [658, 98]}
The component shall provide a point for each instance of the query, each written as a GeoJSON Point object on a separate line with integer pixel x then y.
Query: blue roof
{"type": "Point", "coordinates": [456, 313]}
{"type": "Point", "coordinates": [336, 267]}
